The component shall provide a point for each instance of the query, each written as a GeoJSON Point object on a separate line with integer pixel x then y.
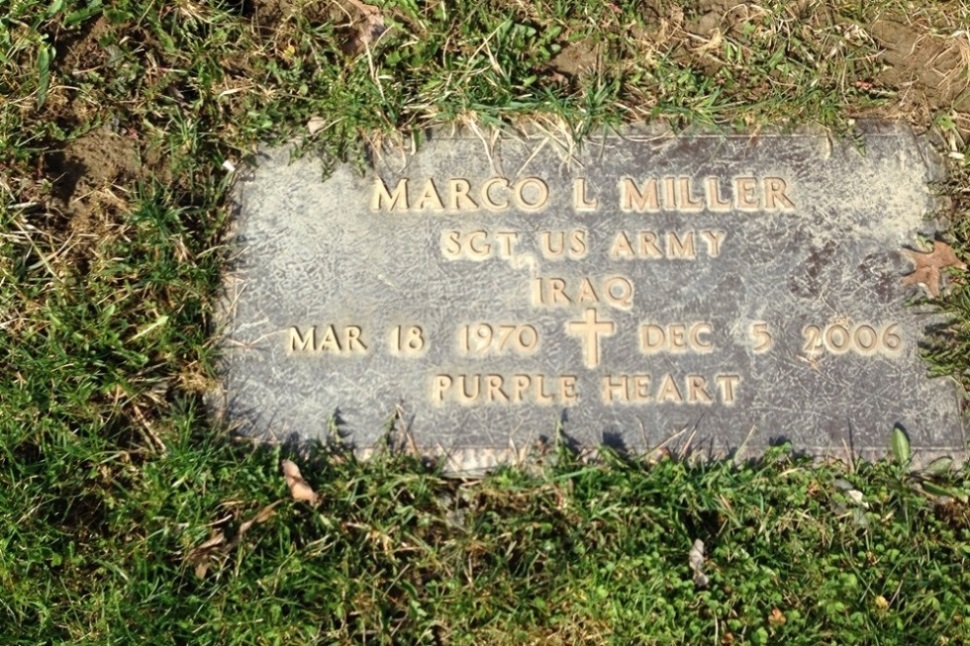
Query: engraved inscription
{"type": "Point", "coordinates": [556, 245]}
{"type": "Point", "coordinates": [616, 291]}
{"type": "Point", "coordinates": [520, 388]}
{"type": "Point", "coordinates": [589, 331]}
{"type": "Point", "coordinates": [495, 194]}
{"type": "Point", "coordinates": [761, 337]}
{"type": "Point", "coordinates": [691, 195]}
{"type": "Point", "coordinates": [498, 338]}
{"type": "Point", "coordinates": [328, 339]}
{"type": "Point", "coordinates": [407, 340]}
{"type": "Point", "coordinates": [651, 245]}
{"type": "Point", "coordinates": [644, 388]}
{"type": "Point", "coordinates": [864, 339]}
{"type": "Point", "coordinates": [486, 290]}
{"type": "Point", "coordinates": [676, 337]}
{"type": "Point", "coordinates": [480, 244]}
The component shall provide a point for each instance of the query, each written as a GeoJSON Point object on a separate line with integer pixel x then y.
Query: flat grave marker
{"type": "Point", "coordinates": [645, 287]}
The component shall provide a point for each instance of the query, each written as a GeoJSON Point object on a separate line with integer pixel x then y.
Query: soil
{"type": "Point", "coordinates": [83, 50]}
{"type": "Point", "coordinates": [356, 22]}
{"type": "Point", "coordinates": [88, 175]}
{"type": "Point", "coordinates": [928, 72]}
{"type": "Point", "coordinates": [575, 59]}
{"type": "Point", "coordinates": [926, 75]}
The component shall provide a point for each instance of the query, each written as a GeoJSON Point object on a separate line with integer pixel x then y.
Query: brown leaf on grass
{"type": "Point", "coordinates": [366, 23]}
{"type": "Point", "coordinates": [261, 516]}
{"type": "Point", "coordinates": [695, 559]}
{"type": "Point", "coordinates": [206, 554]}
{"type": "Point", "coordinates": [299, 489]}
{"type": "Point", "coordinates": [315, 125]}
{"type": "Point", "coordinates": [217, 548]}
{"type": "Point", "coordinates": [777, 618]}
{"type": "Point", "coordinates": [929, 266]}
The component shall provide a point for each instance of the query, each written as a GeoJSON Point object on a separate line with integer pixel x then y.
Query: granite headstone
{"type": "Point", "coordinates": [489, 291]}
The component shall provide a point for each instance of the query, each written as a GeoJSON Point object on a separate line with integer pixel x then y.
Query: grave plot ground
{"type": "Point", "coordinates": [128, 514]}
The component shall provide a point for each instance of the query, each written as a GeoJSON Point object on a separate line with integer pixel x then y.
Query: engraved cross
{"type": "Point", "coordinates": [589, 331]}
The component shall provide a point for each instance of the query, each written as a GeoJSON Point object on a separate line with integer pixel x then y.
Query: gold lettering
{"type": "Point", "coordinates": [621, 247]}
{"type": "Point", "coordinates": [354, 342]}
{"type": "Point", "coordinates": [714, 201]}
{"type": "Point", "coordinates": [677, 248]}
{"type": "Point", "coordinates": [542, 194]}
{"type": "Point", "coordinates": [330, 343]}
{"type": "Point", "coordinates": [458, 198]}
{"type": "Point", "coordinates": [441, 384]}
{"type": "Point", "coordinates": [713, 238]}
{"type": "Point", "coordinates": [542, 397]}
{"type": "Point", "coordinates": [429, 200]}
{"type": "Point", "coordinates": [648, 245]}
{"type": "Point", "coordinates": [669, 391]}
{"type": "Point", "coordinates": [632, 199]}
{"type": "Point", "coordinates": [493, 389]}
{"type": "Point", "coordinates": [567, 389]}
{"type": "Point", "coordinates": [486, 196]}
{"type": "Point", "coordinates": [697, 390]}
{"type": "Point", "coordinates": [520, 384]}
{"type": "Point", "coordinates": [580, 201]}
{"type": "Point", "coordinates": [586, 293]}
{"type": "Point", "coordinates": [687, 201]}
{"type": "Point", "coordinates": [745, 193]}
{"type": "Point", "coordinates": [775, 193]}
{"type": "Point", "coordinates": [727, 384]}
{"type": "Point", "coordinates": [300, 343]}
{"type": "Point", "coordinates": [396, 200]}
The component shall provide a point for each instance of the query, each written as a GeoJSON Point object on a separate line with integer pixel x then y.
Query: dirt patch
{"type": "Point", "coordinates": [356, 23]}
{"type": "Point", "coordinates": [83, 51]}
{"type": "Point", "coordinates": [87, 175]}
{"type": "Point", "coordinates": [575, 59]}
{"type": "Point", "coordinates": [928, 72]}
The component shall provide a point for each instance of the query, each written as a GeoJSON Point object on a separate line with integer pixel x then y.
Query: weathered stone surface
{"type": "Point", "coordinates": [646, 286]}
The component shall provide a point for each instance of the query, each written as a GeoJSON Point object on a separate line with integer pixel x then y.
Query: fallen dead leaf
{"type": "Point", "coordinates": [777, 618]}
{"type": "Point", "coordinates": [299, 489]}
{"type": "Point", "coordinates": [207, 553]}
{"type": "Point", "coordinates": [217, 548]}
{"type": "Point", "coordinates": [261, 516]}
{"type": "Point", "coordinates": [929, 266]}
{"type": "Point", "coordinates": [696, 561]}
{"type": "Point", "coordinates": [315, 125]}
{"type": "Point", "coordinates": [368, 24]}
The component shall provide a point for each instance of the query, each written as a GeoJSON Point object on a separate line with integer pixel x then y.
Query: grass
{"type": "Point", "coordinates": [116, 120]}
